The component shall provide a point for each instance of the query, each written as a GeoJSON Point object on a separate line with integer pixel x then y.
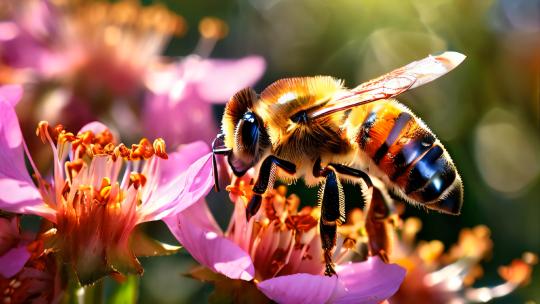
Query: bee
{"type": "Point", "coordinates": [316, 129]}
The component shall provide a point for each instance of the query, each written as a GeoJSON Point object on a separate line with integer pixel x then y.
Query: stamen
{"type": "Point", "coordinates": [43, 131]}
{"type": "Point", "coordinates": [105, 182]}
{"type": "Point", "coordinates": [73, 168]}
{"type": "Point", "coordinates": [91, 144]}
{"type": "Point", "coordinates": [137, 179]}
{"type": "Point", "coordinates": [57, 131]}
{"type": "Point", "coordinates": [122, 151]}
{"type": "Point", "coordinates": [143, 150]}
{"type": "Point", "coordinates": [105, 193]}
{"type": "Point", "coordinates": [159, 148]}
{"type": "Point", "coordinates": [64, 137]}
{"type": "Point", "coordinates": [518, 272]}
{"type": "Point", "coordinates": [211, 29]}
{"type": "Point", "coordinates": [431, 251]}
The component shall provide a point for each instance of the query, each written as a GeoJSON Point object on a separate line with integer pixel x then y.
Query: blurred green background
{"type": "Point", "coordinates": [486, 112]}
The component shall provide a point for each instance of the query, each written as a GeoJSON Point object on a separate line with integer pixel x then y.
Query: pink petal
{"type": "Point", "coordinates": [95, 127]}
{"type": "Point", "coordinates": [372, 281]}
{"type": "Point", "coordinates": [8, 31]}
{"type": "Point", "coordinates": [13, 261]}
{"type": "Point", "coordinates": [176, 193]}
{"type": "Point", "coordinates": [197, 232]}
{"type": "Point", "coordinates": [180, 113]}
{"type": "Point", "coordinates": [17, 191]}
{"type": "Point", "coordinates": [223, 78]}
{"type": "Point", "coordinates": [299, 288]}
{"type": "Point", "coordinates": [11, 93]}
{"type": "Point", "coordinates": [180, 160]}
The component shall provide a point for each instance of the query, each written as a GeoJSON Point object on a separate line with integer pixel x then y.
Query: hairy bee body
{"type": "Point", "coordinates": [383, 138]}
{"type": "Point", "coordinates": [316, 129]}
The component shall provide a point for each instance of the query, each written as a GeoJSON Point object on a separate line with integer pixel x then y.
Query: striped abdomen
{"type": "Point", "coordinates": [408, 154]}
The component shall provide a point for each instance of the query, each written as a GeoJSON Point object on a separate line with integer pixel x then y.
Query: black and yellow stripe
{"type": "Point", "coordinates": [410, 155]}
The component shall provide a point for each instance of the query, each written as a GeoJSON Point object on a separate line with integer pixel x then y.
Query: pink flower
{"type": "Point", "coordinates": [13, 248]}
{"type": "Point", "coordinates": [107, 44]}
{"type": "Point", "coordinates": [99, 190]}
{"type": "Point", "coordinates": [279, 251]}
{"type": "Point", "coordinates": [181, 95]}
{"type": "Point", "coordinates": [82, 60]}
{"type": "Point", "coordinates": [27, 273]}
{"type": "Point", "coordinates": [33, 38]}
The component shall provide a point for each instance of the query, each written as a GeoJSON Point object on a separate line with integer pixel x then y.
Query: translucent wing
{"type": "Point", "coordinates": [394, 83]}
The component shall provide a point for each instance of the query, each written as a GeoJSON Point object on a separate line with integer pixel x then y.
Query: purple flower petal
{"type": "Point", "coordinates": [13, 261]}
{"type": "Point", "coordinates": [95, 127]}
{"type": "Point", "coordinates": [8, 31]}
{"type": "Point", "coordinates": [372, 281]}
{"type": "Point", "coordinates": [17, 191]}
{"type": "Point", "coordinates": [196, 231]}
{"type": "Point", "coordinates": [223, 78]}
{"type": "Point", "coordinates": [180, 111]}
{"type": "Point", "coordinates": [180, 160]}
{"type": "Point", "coordinates": [180, 187]}
{"type": "Point", "coordinates": [11, 93]}
{"type": "Point", "coordinates": [299, 288]}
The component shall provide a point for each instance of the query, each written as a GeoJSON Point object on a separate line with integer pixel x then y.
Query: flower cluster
{"type": "Point", "coordinates": [448, 277]}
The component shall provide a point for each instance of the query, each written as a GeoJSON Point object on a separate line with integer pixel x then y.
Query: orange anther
{"type": "Point", "coordinates": [146, 148]}
{"type": "Point", "coordinates": [213, 28]}
{"type": "Point", "coordinates": [159, 148]}
{"type": "Point", "coordinates": [43, 130]}
{"type": "Point", "coordinates": [137, 179]}
{"type": "Point", "coordinates": [123, 151]}
{"type": "Point", "coordinates": [73, 167]}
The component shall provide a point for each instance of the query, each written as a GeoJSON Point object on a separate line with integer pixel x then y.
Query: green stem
{"type": "Point", "coordinates": [92, 294]}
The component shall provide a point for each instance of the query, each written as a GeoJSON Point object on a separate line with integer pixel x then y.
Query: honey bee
{"type": "Point", "coordinates": [316, 129]}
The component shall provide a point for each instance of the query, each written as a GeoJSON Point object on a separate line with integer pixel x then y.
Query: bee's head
{"type": "Point", "coordinates": [244, 132]}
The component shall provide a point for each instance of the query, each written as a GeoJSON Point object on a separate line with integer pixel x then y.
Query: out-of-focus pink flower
{"type": "Point", "coordinates": [27, 272]}
{"type": "Point", "coordinates": [99, 190]}
{"type": "Point", "coordinates": [13, 248]}
{"type": "Point", "coordinates": [279, 251]}
{"type": "Point", "coordinates": [181, 95]}
{"type": "Point", "coordinates": [110, 43]}
{"type": "Point", "coordinates": [82, 60]}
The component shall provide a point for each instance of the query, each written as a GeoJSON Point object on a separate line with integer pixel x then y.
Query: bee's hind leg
{"type": "Point", "coordinates": [332, 203]}
{"type": "Point", "coordinates": [265, 180]}
{"type": "Point", "coordinates": [379, 225]}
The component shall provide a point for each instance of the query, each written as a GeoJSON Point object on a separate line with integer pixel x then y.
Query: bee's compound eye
{"type": "Point", "coordinates": [248, 133]}
{"type": "Point", "coordinates": [250, 117]}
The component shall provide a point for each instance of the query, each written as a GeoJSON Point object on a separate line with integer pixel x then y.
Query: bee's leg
{"type": "Point", "coordinates": [265, 180]}
{"type": "Point", "coordinates": [379, 225]}
{"type": "Point", "coordinates": [342, 169]}
{"type": "Point", "coordinates": [379, 209]}
{"type": "Point", "coordinates": [332, 202]}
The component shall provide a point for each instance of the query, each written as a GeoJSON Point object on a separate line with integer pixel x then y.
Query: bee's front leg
{"type": "Point", "coordinates": [265, 180]}
{"type": "Point", "coordinates": [332, 202]}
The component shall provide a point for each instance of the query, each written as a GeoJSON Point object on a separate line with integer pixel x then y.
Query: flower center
{"type": "Point", "coordinates": [91, 172]}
